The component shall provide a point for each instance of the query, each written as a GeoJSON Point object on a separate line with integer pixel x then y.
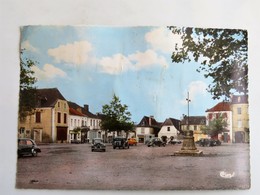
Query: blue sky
{"type": "Point", "coordinates": [88, 64]}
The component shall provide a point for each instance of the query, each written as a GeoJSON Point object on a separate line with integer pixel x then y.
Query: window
{"type": "Point", "coordinates": [239, 110]}
{"type": "Point", "coordinates": [65, 118]}
{"type": "Point", "coordinates": [142, 130]}
{"type": "Point", "coordinates": [58, 104]}
{"type": "Point", "coordinates": [21, 131]}
{"type": "Point", "coordinates": [59, 117]}
{"type": "Point", "coordinates": [239, 123]}
{"type": "Point", "coordinates": [38, 117]}
{"type": "Point", "coordinates": [168, 128]}
{"type": "Point", "coordinates": [195, 127]}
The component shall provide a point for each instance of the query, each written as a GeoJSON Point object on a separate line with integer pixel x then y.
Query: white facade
{"type": "Point", "coordinates": [76, 121]}
{"type": "Point", "coordinates": [168, 131]}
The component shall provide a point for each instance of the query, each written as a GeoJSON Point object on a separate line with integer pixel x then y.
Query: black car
{"type": "Point", "coordinates": [175, 141]}
{"type": "Point", "coordinates": [156, 141]}
{"type": "Point", "coordinates": [120, 142]}
{"type": "Point", "coordinates": [27, 146]}
{"type": "Point", "coordinates": [208, 142]}
{"type": "Point", "coordinates": [98, 145]}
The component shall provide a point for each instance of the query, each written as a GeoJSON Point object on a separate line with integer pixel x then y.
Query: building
{"type": "Point", "coordinates": [194, 123]}
{"type": "Point", "coordinates": [170, 128]}
{"type": "Point", "coordinates": [147, 128]}
{"type": "Point", "coordinates": [240, 118]}
{"type": "Point", "coordinates": [88, 122]}
{"type": "Point", "coordinates": [77, 122]}
{"type": "Point", "coordinates": [222, 109]}
{"type": "Point", "coordinates": [49, 121]}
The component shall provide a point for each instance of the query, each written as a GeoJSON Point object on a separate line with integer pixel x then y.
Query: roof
{"type": "Point", "coordinates": [221, 106]}
{"type": "Point", "coordinates": [194, 120]}
{"type": "Point", "coordinates": [48, 97]}
{"type": "Point", "coordinates": [75, 112]}
{"type": "Point", "coordinates": [149, 122]}
{"type": "Point", "coordinates": [172, 121]}
{"type": "Point", "coordinates": [82, 110]}
{"type": "Point", "coordinates": [239, 99]}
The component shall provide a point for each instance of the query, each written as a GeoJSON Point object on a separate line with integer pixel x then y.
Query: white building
{"type": "Point", "coordinates": [170, 128]}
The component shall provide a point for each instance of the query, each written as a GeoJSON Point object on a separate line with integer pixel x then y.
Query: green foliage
{"type": "Point", "coordinates": [222, 54]}
{"type": "Point", "coordinates": [116, 117]}
{"type": "Point", "coordinates": [215, 126]}
{"type": "Point", "coordinates": [27, 92]}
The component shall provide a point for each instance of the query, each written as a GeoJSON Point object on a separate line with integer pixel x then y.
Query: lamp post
{"type": "Point", "coordinates": [188, 101]}
{"type": "Point", "coordinates": [188, 145]}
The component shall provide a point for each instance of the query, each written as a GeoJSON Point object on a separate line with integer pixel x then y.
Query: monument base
{"type": "Point", "coordinates": [188, 146]}
{"type": "Point", "coordinates": [188, 153]}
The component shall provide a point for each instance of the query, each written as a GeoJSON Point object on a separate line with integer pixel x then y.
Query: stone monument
{"type": "Point", "coordinates": [188, 145]}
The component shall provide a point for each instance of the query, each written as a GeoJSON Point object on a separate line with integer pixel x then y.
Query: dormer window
{"type": "Point", "coordinates": [238, 99]}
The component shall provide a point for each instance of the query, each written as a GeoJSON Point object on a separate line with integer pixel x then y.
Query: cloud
{"type": "Point", "coordinates": [76, 53]}
{"type": "Point", "coordinates": [48, 72]}
{"type": "Point", "coordinates": [144, 60]}
{"type": "Point", "coordinates": [119, 63]}
{"type": "Point", "coordinates": [28, 47]}
{"type": "Point", "coordinates": [195, 89]}
{"type": "Point", "coordinates": [114, 65]}
{"type": "Point", "coordinates": [162, 39]}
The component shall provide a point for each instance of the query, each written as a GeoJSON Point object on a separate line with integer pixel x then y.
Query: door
{"type": "Point", "coordinates": [61, 134]}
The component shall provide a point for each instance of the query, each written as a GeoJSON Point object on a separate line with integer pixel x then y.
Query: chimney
{"type": "Point", "coordinates": [86, 107]}
{"type": "Point", "coordinates": [150, 120]}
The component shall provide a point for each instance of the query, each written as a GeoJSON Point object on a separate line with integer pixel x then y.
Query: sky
{"type": "Point", "coordinates": [89, 64]}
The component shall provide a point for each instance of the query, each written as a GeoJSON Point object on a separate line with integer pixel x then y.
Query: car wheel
{"type": "Point", "coordinates": [34, 152]}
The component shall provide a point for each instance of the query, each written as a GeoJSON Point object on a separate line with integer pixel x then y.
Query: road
{"type": "Point", "coordinates": [74, 166]}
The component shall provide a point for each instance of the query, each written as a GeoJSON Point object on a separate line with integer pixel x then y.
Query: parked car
{"type": "Point", "coordinates": [75, 141]}
{"type": "Point", "coordinates": [27, 146]}
{"type": "Point", "coordinates": [120, 142]}
{"type": "Point", "coordinates": [156, 141]}
{"type": "Point", "coordinates": [132, 141]}
{"type": "Point", "coordinates": [208, 142]}
{"type": "Point", "coordinates": [98, 145]}
{"type": "Point", "coordinates": [174, 141]}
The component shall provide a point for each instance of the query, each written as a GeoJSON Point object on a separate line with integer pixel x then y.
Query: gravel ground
{"type": "Point", "coordinates": [68, 166]}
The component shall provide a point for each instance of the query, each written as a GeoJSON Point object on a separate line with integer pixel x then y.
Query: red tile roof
{"type": "Point", "coordinates": [75, 112]}
{"type": "Point", "coordinates": [222, 106]}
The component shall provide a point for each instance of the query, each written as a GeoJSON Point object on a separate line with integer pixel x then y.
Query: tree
{"type": "Point", "coordinates": [27, 92]}
{"type": "Point", "coordinates": [215, 127]}
{"type": "Point", "coordinates": [222, 54]}
{"type": "Point", "coordinates": [116, 117]}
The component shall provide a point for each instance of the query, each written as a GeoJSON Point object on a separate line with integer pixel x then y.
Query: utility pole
{"type": "Point", "coordinates": [188, 101]}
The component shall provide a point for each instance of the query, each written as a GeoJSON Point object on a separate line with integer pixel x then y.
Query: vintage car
{"type": "Point", "coordinates": [132, 141]}
{"type": "Point", "coordinates": [120, 142]}
{"type": "Point", "coordinates": [174, 141]}
{"type": "Point", "coordinates": [156, 141]}
{"type": "Point", "coordinates": [208, 142]}
{"type": "Point", "coordinates": [27, 146]}
{"type": "Point", "coordinates": [98, 145]}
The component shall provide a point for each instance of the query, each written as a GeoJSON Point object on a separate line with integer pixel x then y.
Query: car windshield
{"type": "Point", "coordinates": [97, 141]}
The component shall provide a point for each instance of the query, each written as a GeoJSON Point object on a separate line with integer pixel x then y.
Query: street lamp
{"type": "Point", "coordinates": [188, 101]}
{"type": "Point", "coordinates": [188, 144]}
